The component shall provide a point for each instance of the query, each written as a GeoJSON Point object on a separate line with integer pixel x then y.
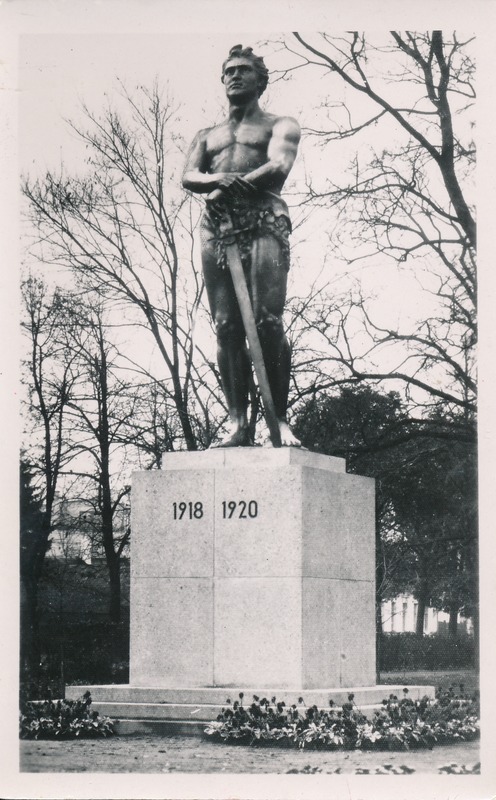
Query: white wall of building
{"type": "Point", "coordinates": [400, 616]}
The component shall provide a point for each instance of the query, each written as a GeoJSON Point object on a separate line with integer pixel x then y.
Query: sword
{"type": "Point", "coordinates": [239, 281]}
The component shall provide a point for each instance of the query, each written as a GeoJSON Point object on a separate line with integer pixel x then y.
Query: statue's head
{"type": "Point", "coordinates": [246, 53]}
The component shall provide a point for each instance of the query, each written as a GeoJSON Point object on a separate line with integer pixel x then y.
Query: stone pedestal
{"type": "Point", "coordinates": [252, 567]}
{"type": "Point", "coordinates": [251, 570]}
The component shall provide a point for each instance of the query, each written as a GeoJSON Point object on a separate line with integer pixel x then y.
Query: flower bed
{"type": "Point", "coordinates": [400, 724]}
{"type": "Point", "coordinates": [63, 719]}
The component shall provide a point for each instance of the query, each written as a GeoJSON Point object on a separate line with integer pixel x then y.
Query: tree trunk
{"type": "Point", "coordinates": [379, 579]}
{"type": "Point", "coordinates": [422, 600]}
{"type": "Point", "coordinates": [115, 590]}
{"type": "Point", "coordinates": [31, 569]}
{"type": "Point", "coordinates": [29, 639]}
{"type": "Point", "coordinates": [111, 557]}
{"type": "Point", "coordinates": [378, 640]}
{"type": "Point", "coordinates": [456, 196]}
{"type": "Point", "coordinates": [475, 619]}
{"type": "Point", "coordinates": [189, 436]}
{"type": "Point", "coordinates": [453, 620]}
{"type": "Point", "coordinates": [106, 509]}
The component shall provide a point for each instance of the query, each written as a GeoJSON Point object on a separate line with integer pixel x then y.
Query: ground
{"type": "Point", "coordinates": [158, 754]}
{"type": "Point", "coordinates": [155, 754]}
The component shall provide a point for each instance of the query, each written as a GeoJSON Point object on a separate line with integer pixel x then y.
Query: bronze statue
{"type": "Point", "coordinates": [242, 165]}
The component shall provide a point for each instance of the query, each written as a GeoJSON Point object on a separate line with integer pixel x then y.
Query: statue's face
{"type": "Point", "coordinates": [240, 78]}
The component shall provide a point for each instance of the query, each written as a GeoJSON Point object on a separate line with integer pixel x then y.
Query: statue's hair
{"type": "Point", "coordinates": [238, 51]}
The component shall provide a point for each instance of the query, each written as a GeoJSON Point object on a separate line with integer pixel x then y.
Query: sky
{"type": "Point", "coordinates": [58, 73]}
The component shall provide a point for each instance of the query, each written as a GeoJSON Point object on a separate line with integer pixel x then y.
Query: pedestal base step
{"type": "Point", "coordinates": [158, 727]}
{"type": "Point", "coordinates": [186, 711]}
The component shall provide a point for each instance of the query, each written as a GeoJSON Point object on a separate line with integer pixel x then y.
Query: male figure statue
{"type": "Point", "coordinates": [242, 165]}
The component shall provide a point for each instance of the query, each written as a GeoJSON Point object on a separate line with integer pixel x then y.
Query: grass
{"type": "Point", "coordinates": [439, 678]}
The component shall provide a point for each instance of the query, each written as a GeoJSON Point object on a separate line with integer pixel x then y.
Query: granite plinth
{"type": "Point", "coordinates": [252, 566]}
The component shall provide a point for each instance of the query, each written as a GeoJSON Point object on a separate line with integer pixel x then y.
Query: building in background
{"type": "Point", "coordinates": [400, 616]}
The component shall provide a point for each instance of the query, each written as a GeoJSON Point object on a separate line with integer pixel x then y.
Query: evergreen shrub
{"type": "Point", "coordinates": [407, 651]}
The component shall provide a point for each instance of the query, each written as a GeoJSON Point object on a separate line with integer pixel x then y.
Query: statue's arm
{"type": "Point", "coordinates": [195, 175]}
{"type": "Point", "coordinates": [281, 154]}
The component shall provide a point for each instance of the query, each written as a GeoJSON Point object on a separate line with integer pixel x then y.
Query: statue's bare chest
{"type": "Point", "coordinates": [231, 142]}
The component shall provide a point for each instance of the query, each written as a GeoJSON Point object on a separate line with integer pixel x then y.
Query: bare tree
{"type": "Point", "coordinates": [406, 197]}
{"type": "Point", "coordinates": [101, 404]}
{"type": "Point", "coordinates": [50, 386]}
{"type": "Point", "coordinates": [80, 405]}
{"type": "Point", "coordinates": [127, 232]}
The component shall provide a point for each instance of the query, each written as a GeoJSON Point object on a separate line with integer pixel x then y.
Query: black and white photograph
{"type": "Point", "coordinates": [249, 414]}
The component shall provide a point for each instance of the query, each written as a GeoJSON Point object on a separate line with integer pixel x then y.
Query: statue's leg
{"type": "Point", "coordinates": [232, 356]}
{"type": "Point", "coordinates": [269, 272]}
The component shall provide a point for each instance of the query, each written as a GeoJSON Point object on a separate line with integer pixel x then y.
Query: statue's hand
{"type": "Point", "coordinates": [232, 187]}
{"type": "Point", "coordinates": [215, 197]}
{"type": "Point", "coordinates": [235, 187]}
{"type": "Point", "coordinates": [216, 203]}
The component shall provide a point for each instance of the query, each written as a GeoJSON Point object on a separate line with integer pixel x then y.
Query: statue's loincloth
{"type": "Point", "coordinates": [265, 215]}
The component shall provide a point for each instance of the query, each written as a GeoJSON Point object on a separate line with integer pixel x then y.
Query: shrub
{"type": "Point", "coordinates": [78, 651]}
{"type": "Point", "coordinates": [407, 651]}
{"type": "Point", "coordinates": [63, 719]}
{"type": "Point", "coordinates": [398, 725]}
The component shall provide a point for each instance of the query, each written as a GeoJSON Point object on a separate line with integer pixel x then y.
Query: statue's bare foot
{"type": "Point", "coordinates": [288, 439]}
{"type": "Point", "coordinates": [239, 437]}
